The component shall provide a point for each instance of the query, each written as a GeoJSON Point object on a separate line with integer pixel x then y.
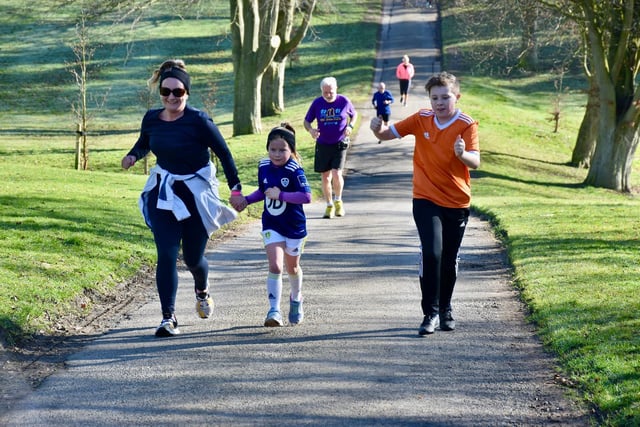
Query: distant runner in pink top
{"type": "Point", "coordinates": [404, 73]}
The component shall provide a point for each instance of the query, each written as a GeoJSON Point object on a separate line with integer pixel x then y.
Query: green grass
{"type": "Point", "coordinates": [574, 249]}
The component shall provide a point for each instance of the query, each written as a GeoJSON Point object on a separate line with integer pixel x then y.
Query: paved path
{"type": "Point", "coordinates": [357, 359]}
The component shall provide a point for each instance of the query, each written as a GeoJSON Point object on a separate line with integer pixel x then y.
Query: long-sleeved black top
{"type": "Point", "coordinates": [182, 146]}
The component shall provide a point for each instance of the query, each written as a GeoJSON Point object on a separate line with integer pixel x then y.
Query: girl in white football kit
{"type": "Point", "coordinates": [283, 186]}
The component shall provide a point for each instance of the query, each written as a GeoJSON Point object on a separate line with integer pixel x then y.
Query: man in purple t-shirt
{"type": "Point", "coordinates": [335, 117]}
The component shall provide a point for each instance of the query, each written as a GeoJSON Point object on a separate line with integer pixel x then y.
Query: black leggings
{"type": "Point", "coordinates": [404, 86]}
{"type": "Point", "coordinates": [441, 231]}
{"type": "Point", "coordinates": [168, 233]}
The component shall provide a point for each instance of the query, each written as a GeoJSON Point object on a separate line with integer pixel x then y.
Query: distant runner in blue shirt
{"type": "Point", "coordinates": [283, 186]}
{"type": "Point", "coordinates": [382, 101]}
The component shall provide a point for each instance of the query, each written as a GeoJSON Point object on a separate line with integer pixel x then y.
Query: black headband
{"type": "Point", "coordinates": [177, 73]}
{"type": "Point", "coordinates": [285, 134]}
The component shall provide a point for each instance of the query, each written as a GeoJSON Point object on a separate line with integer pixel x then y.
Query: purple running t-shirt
{"type": "Point", "coordinates": [332, 118]}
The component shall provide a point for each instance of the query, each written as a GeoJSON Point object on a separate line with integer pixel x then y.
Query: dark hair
{"type": "Point", "coordinates": [175, 68]}
{"type": "Point", "coordinates": [286, 132]}
{"type": "Point", "coordinates": [443, 79]}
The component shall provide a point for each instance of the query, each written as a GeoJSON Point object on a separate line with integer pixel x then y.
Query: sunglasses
{"type": "Point", "coordinates": [177, 92]}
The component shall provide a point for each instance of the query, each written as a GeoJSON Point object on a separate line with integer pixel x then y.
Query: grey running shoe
{"type": "Point", "coordinates": [204, 306]}
{"type": "Point", "coordinates": [168, 327]}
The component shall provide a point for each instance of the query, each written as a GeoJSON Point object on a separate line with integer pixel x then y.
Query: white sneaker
{"type": "Point", "coordinates": [274, 318]}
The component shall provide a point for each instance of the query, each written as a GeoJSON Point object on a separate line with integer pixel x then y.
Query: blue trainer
{"type": "Point", "coordinates": [296, 313]}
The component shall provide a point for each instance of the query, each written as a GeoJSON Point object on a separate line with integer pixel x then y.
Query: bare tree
{"type": "Point", "coordinates": [84, 47]}
{"type": "Point", "coordinates": [274, 77]}
{"type": "Point", "coordinates": [254, 45]}
{"type": "Point", "coordinates": [524, 29]}
{"type": "Point", "coordinates": [529, 42]}
{"type": "Point", "coordinates": [83, 53]}
{"type": "Point", "coordinates": [612, 32]}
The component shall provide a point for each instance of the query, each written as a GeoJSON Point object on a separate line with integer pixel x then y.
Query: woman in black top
{"type": "Point", "coordinates": [180, 202]}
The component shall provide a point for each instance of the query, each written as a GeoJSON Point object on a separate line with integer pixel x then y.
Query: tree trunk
{"type": "Point", "coordinates": [273, 89]}
{"type": "Point", "coordinates": [246, 107]}
{"type": "Point", "coordinates": [588, 133]}
{"type": "Point", "coordinates": [612, 159]}
{"type": "Point", "coordinates": [617, 141]}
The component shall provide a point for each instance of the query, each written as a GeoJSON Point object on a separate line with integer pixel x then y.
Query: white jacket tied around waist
{"type": "Point", "coordinates": [203, 185]}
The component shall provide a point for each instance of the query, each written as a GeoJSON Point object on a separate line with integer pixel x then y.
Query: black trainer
{"type": "Point", "coordinates": [429, 324]}
{"type": "Point", "coordinates": [447, 322]}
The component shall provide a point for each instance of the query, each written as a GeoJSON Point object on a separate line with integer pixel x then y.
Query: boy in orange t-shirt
{"type": "Point", "coordinates": [446, 148]}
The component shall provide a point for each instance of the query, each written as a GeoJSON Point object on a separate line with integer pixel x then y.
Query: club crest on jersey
{"type": "Point", "coordinates": [284, 182]}
{"type": "Point", "coordinates": [426, 135]}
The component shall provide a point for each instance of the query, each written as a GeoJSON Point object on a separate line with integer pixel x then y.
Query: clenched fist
{"type": "Point", "coordinates": [459, 146]}
{"type": "Point", "coordinates": [376, 124]}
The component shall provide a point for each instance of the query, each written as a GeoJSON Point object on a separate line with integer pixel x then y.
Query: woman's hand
{"type": "Point", "coordinates": [128, 161]}
{"type": "Point", "coordinates": [238, 201]}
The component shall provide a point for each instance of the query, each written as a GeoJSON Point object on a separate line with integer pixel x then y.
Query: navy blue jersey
{"type": "Point", "coordinates": [287, 219]}
{"type": "Point", "coordinates": [378, 101]}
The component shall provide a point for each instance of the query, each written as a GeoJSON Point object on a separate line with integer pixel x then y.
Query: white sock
{"type": "Point", "coordinates": [274, 290]}
{"type": "Point", "coordinates": [296, 285]}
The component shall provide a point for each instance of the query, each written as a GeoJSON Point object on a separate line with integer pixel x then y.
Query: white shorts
{"type": "Point", "coordinates": [292, 247]}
